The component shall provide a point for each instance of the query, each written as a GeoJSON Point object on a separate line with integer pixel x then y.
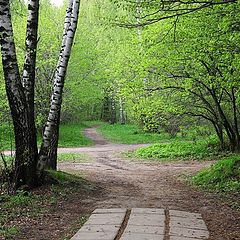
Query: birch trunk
{"type": "Point", "coordinates": [28, 81]}
{"type": "Point", "coordinates": [48, 151]}
{"type": "Point", "coordinates": [20, 104]}
{"type": "Point", "coordinates": [122, 112]}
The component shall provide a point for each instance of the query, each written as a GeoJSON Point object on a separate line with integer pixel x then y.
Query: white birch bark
{"type": "Point", "coordinates": [26, 147]}
{"type": "Point", "coordinates": [122, 112]}
{"type": "Point", "coordinates": [48, 152]}
{"type": "Point", "coordinates": [139, 28]}
{"type": "Point", "coordinates": [28, 78]}
{"type": "Point", "coordinates": [28, 81]}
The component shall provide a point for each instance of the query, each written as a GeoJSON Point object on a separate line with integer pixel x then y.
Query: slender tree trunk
{"type": "Point", "coordinates": [28, 80]}
{"type": "Point", "coordinates": [113, 113]}
{"type": "Point", "coordinates": [48, 151]}
{"type": "Point", "coordinates": [230, 131]}
{"type": "Point", "coordinates": [105, 113]}
{"type": "Point", "coordinates": [26, 147]}
{"type": "Point", "coordinates": [122, 112]}
{"type": "Point", "coordinates": [235, 120]}
{"type": "Point", "coordinates": [219, 132]}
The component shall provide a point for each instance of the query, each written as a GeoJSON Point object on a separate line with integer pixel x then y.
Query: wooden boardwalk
{"type": "Point", "coordinates": [143, 224]}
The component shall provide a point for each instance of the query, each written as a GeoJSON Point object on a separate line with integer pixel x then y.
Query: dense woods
{"type": "Point", "coordinates": [167, 66]}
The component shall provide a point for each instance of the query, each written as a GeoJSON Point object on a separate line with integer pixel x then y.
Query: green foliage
{"type": "Point", "coordinates": [130, 134]}
{"type": "Point", "coordinates": [62, 180]}
{"type": "Point", "coordinates": [178, 149]}
{"type": "Point", "coordinates": [93, 123]}
{"type": "Point", "coordinates": [17, 202]}
{"type": "Point", "coordinates": [223, 176]}
{"type": "Point", "coordinates": [63, 177]}
{"type": "Point", "coordinates": [60, 176]}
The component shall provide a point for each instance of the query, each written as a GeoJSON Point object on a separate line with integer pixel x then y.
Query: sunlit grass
{"type": "Point", "coordinates": [130, 134]}
{"type": "Point", "coordinates": [73, 157]}
{"type": "Point", "coordinates": [223, 176]}
{"type": "Point", "coordinates": [71, 135]}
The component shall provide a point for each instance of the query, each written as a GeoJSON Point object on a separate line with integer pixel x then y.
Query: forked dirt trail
{"type": "Point", "coordinates": [132, 184]}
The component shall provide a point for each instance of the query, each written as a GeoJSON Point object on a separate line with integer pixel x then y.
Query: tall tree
{"type": "Point", "coordinates": [48, 151]}
{"type": "Point", "coordinates": [20, 91]}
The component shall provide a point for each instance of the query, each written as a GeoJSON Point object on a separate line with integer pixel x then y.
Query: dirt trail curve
{"type": "Point", "coordinates": [131, 184]}
{"type": "Point", "coordinates": [100, 144]}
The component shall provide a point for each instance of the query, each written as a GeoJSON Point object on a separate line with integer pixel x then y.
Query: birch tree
{"type": "Point", "coordinates": [20, 91]}
{"type": "Point", "coordinates": [48, 151]}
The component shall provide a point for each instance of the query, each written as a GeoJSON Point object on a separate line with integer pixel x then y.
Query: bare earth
{"type": "Point", "coordinates": [127, 183]}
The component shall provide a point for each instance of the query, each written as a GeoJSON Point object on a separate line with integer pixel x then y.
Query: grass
{"type": "Point", "coordinates": [224, 176]}
{"type": "Point", "coordinates": [23, 203]}
{"type": "Point", "coordinates": [94, 123]}
{"type": "Point", "coordinates": [178, 149]}
{"type": "Point", "coordinates": [7, 159]}
{"type": "Point", "coordinates": [71, 135]}
{"type": "Point", "coordinates": [29, 206]}
{"type": "Point", "coordinates": [73, 157]}
{"type": "Point", "coordinates": [130, 134]}
{"type": "Point", "coordinates": [6, 137]}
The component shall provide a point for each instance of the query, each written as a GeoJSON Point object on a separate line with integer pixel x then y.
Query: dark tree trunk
{"type": "Point", "coordinates": [235, 117]}
{"type": "Point", "coordinates": [105, 113]}
{"type": "Point", "coordinates": [219, 131]}
{"type": "Point", "coordinates": [229, 129]}
{"type": "Point", "coordinates": [23, 118]}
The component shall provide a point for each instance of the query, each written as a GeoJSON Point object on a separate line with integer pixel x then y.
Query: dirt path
{"type": "Point", "coordinates": [132, 184]}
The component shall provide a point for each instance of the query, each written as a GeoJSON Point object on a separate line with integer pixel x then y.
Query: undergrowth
{"type": "Point", "coordinates": [6, 137]}
{"type": "Point", "coordinates": [224, 176]}
{"type": "Point", "coordinates": [179, 149]}
{"type": "Point", "coordinates": [27, 206]}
